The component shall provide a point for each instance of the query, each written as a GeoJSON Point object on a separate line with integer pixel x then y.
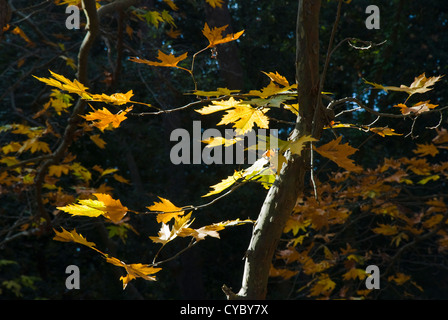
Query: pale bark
{"type": "Point", "coordinates": [283, 195]}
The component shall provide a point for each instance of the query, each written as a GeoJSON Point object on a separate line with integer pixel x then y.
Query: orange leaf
{"type": "Point", "coordinates": [214, 35]}
{"type": "Point", "coordinates": [339, 153]}
{"type": "Point", "coordinates": [215, 3]}
{"type": "Point", "coordinates": [104, 118]}
{"type": "Point", "coordinates": [166, 60]}
{"type": "Point", "coordinates": [418, 108]}
{"type": "Point", "coordinates": [426, 149]}
{"type": "Point", "coordinates": [171, 211]}
{"type": "Point", "coordinates": [134, 270]}
{"type": "Point", "coordinates": [72, 236]}
{"type": "Point", "coordinates": [421, 84]}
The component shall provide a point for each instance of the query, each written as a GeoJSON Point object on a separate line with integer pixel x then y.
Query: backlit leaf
{"type": "Point", "coordinates": [104, 119]}
{"type": "Point", "coordinates": [171, 211]}
{"type": "Point", "coordinates": [215, 37]}
{"type": "Point", "coordinates": [339, 153]}
{"type": "Point", "coordinates": [166, 60]}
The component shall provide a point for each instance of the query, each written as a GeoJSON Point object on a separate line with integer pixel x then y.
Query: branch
{"type": "Point", "coordinates": [92, 27]}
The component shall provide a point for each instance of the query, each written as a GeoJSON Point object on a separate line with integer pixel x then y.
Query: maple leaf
{"type": "Point", "coordinates": [354, 273]}
{"type": "Point", "coordinates": [270, 90]}
{"type": "Point", "coordinates": [297, 146]}
{"type": "Point", "coordinates": [217, 93]}
{"type": "Point", "coordinates": [276, 77]}
{"type": "Point", "coordinates": [384, 131]}
{"type": "Point", "coordinates": [134, 270]}
{"type": "Point", "coordinates": [105, 119]}
{"type": "Point", "coordinates": [58, 170]}
{"type": "Point", "coordinates": [215, 3]}
{"type": "Point", "coordinates": [220, 106]}
{"type": "Point", "coordinates": [104, 206]}
{"type": "Point", "coordinates": [442, 136]}
{"type": "Point", "coordinates": [65, 84]}
{"type": "Point", "coordinates": [225, 183]}
{"type": "Point", "coordinates": [282, 272]}
{"type": "Point", "coordinates": [211, 230]}
{"type": "Point", "coordinates": [244, 117]}
{"type": "Point", "coordinates": [166, 234]}
{"type": "Point", "coordinates": [166, 60]}
{"type": "Point", "coordinates": [72, 236]}
{"type": "Point", "coordinates": [418, 108]}
{"type": "Point", "coordinates": [399, 278]}
{"type": "Point", "coordinates": [426, 149]}
{"type": "Point", "coordinates": [296, 223]}
{"type": "Point", "coordinates": [214, 35]}
{"type": "Point", "coordinates": [98, 141]}
{"type": "Point", "coordinates": [385, 229]}
{"type": "Point", "coordinates": [171, 211]}
{"type": "Point", "coordinates": [171, 4]}
{"type": "Point", "coordinates": [218, 141]}
{"type": "Point", "coordinates": [421, 84]}
{"type": "Point", "coordinates": [324, 286]}
{"type": "Point", "coordinates": [116, 98]}
{"type": "Point", "coordinates": [339, 154]}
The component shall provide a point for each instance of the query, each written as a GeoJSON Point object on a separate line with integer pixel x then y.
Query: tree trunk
{"type": "Point", "coordinates": [282, 196]}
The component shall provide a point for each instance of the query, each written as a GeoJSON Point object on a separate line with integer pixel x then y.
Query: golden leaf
{"type": "Point", "coordinates": [171, 211]}
{"type": "Point", "coordinates": [214, 35]}
{"type": "Point", "coordinates": [105, 119]}
{"type": "Point", "coordinates": [166, 60]}
{"type": "Point", "coordinates": [339, 154]}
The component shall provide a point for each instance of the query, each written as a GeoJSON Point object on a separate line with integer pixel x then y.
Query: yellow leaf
{"type": "Point", "coordinates": [421, 84]}
{"type": "Point", "coordinates": [171, 211]}
{"type": "Point", "coordinates": [58, 170]}
{"type": "Point", "coordinates": [427, 179]}
{"type": "Point", "coordinates": [418, 108]}
{"type": "Point", "coordinates": [270, 90]}
{"type": "Point", "coordinates": [105, 206]}
{"type": "Point", "coordinates": [297, 146]}
{"type": "Point", "coordinates": [217, 93]}
{"type": "Point", "coordinates": [215, 3]}
{"type": "Point", "coordinates": [399, 278]}
{"type": "Point", "coordinates": [171, 4]}
{"type": "Point", "coordinates": [426, 149]}
{"type": "Point", "coordinates": [282, 272]}
{"type": "Point", "coordinates": [220, 106]}
{"type": "Point", "coordinates": [98, 141]}
{"type": "Point", "coordinates": [244, 117]}
{"type": "Point", "coordinates": [324, 286]}
{"type": "Point", "coordinates": [134, 270]}
{"type": "Point", "coordinates": [218, 141]}
{"type": "Point", "coordinates": [385, 229]}
{"type": "Point", "coordinates": [339, 153]}
{"type": "Point", "coordinates": [166, 234]}
{"type": "Point", "coordinates": [72, 236]}
{"type": "Point", "coordinates": [166, 60]}
{"type": "Point", "coordinates": [383, 131]}
{"type": "Point", "coordinates": [214, 35]}
{"type": "Point", "coordinates": [116, 98]}
{"type": "Point", "coordinates": [276, 77]}
{"type": "Point", "coordinates": [296, 223]}
{"type": "Point", "coordinates": [354, 273]}
{"type": "Point", "coordinates": [120, 179]}
{"type": "Point", "coordinates": [63, 83]}
{"type": "Point", "coordinates": [224, 184]}
{"type": "Point", "coordinates": [104, 118]}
